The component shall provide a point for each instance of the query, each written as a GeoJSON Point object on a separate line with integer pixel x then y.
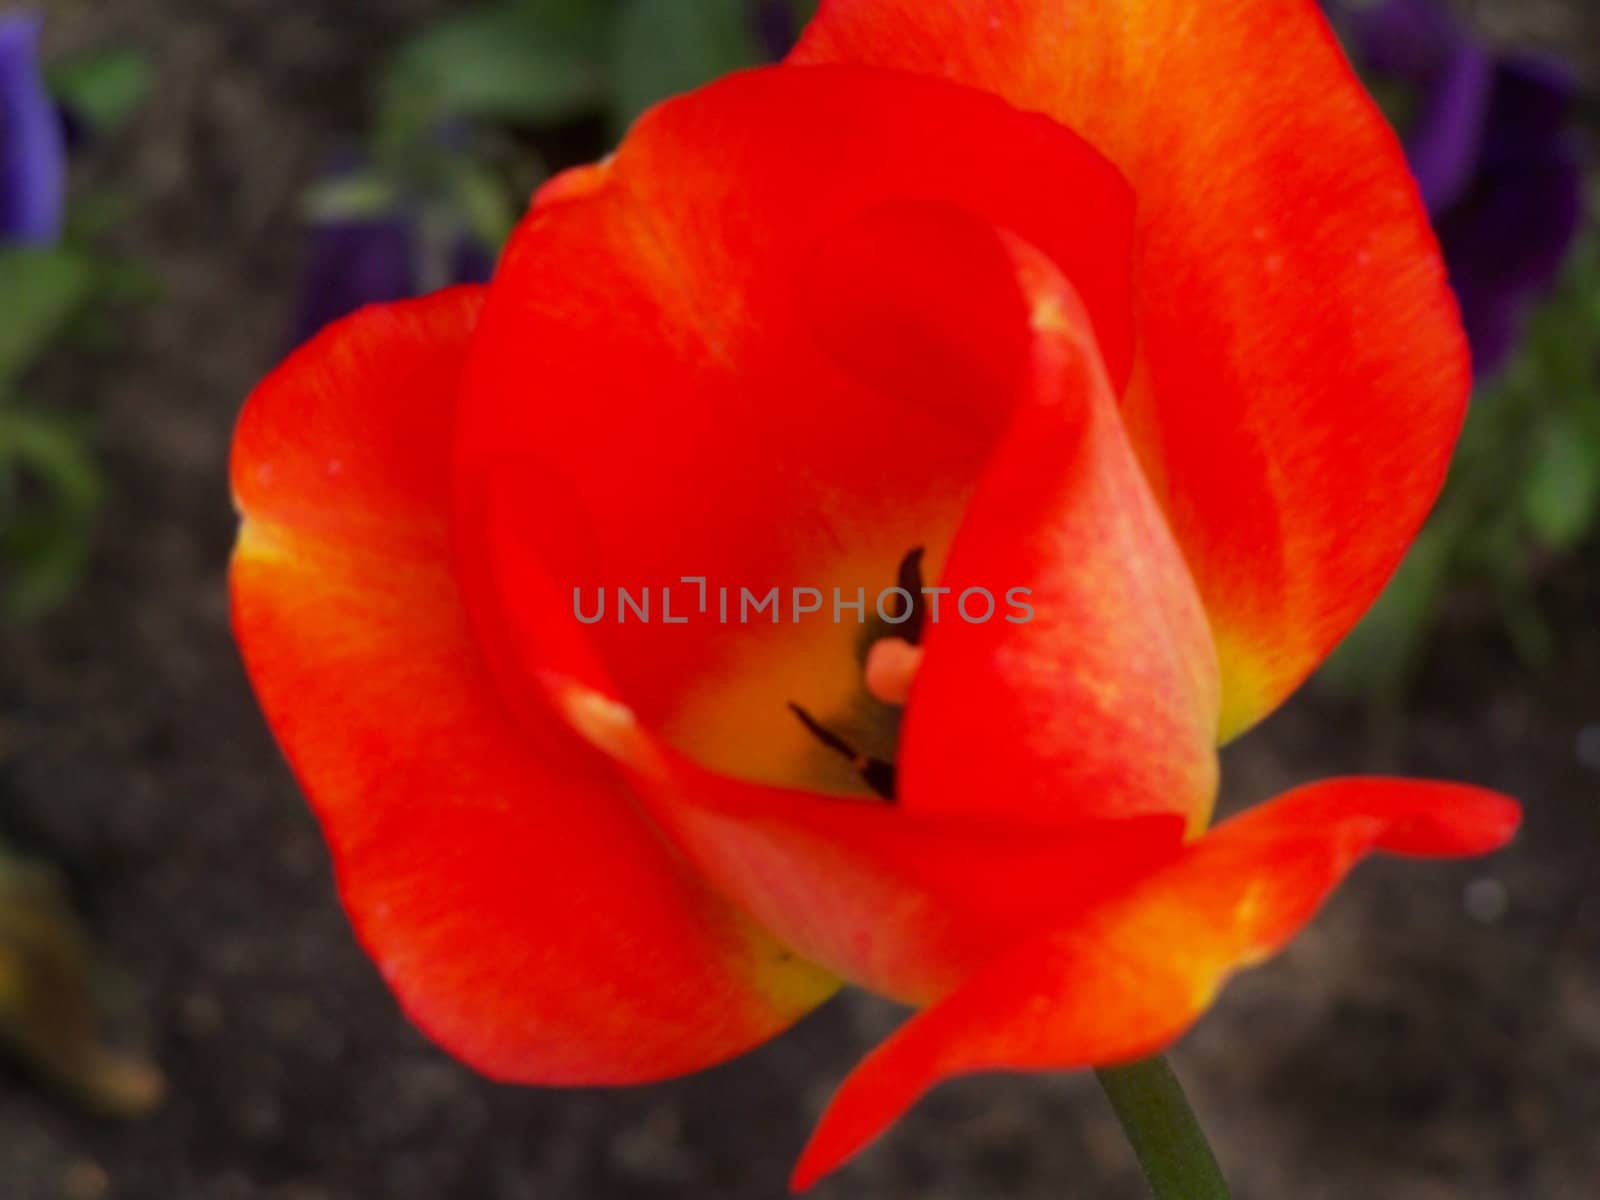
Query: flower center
{"type": "Point", "coordinates": [891, 667]}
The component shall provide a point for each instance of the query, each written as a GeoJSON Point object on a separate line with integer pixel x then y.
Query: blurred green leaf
{"type": "Point", "coordinates": [663, 47]}
{"type": "Point", "coordinates": [535, 61]}
{"type": "Point", "coordinates": [104, 89]}
{"type": "Point", "coordinates": [40, 290]}
{"type": "Point", "coordinates": [1562, 493]}
{"type": "Point", "coordinates": [50, 491]}
{"type": "Point", "coordinates": [486, 203]}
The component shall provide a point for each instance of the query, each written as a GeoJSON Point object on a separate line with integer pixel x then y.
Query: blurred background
{"type": "Point", "coordinates": [190, 187]}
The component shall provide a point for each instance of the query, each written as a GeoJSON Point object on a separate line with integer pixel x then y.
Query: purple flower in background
{"type": "Point", "coordinates": [390, 254]}
{"type": "Point", "coordinates": [1492, 146]}
{"type": "Point", "coordinates": [355, 262]}
{"type": "Point", "coordinates": [775, 26]}
{"type": "Point", "coordinates": [33, 155]}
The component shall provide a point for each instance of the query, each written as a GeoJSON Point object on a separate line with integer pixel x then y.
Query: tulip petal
{"type": "Point", "coordinates": [904, 905]}
{"type": "Point", "coordinates": [1132, 972]}
{"type": "Point", "coordinates": [1068, 656]}
{"type": "Point", "coordinates": [1301, 374]}
{"type": "Point", "coordinates": [702, 429]}
{"type": "Point", "coordinates": [497, 870]}
{"type": "Point", "coordinates": [1090, 686]}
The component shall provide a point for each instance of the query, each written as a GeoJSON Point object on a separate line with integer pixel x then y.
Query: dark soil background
{"type": "Point", "coordinates": [1434, 1036]}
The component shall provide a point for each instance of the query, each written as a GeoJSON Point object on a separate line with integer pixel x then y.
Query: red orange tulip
{"type": "Point", "coordinates": [1130, 309]}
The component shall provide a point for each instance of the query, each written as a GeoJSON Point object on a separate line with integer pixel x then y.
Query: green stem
{"type": "Point", "coordinates": [1166, 1137]}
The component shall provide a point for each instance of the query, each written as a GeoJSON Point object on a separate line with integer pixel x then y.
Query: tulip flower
{"type": "Point", "coordinates": [33, 157]}
{"type": "Point", "coordinates": [1128, 316]}
{"type": "Point", "coordinates": [1494, 151]}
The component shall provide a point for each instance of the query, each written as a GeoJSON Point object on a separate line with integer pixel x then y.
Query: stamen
{"type": "Point", "coordinates": [892, 664]}
{"type": "Point", "coordinates": [877, 774]}
{"type": "Point", "coordinates": [825, 735]}
{"type": "Point", "coordinates": [909, 577]}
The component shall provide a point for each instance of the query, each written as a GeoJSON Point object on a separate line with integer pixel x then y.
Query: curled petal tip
{"type": "Point", "coordinates": [1476, 822]}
